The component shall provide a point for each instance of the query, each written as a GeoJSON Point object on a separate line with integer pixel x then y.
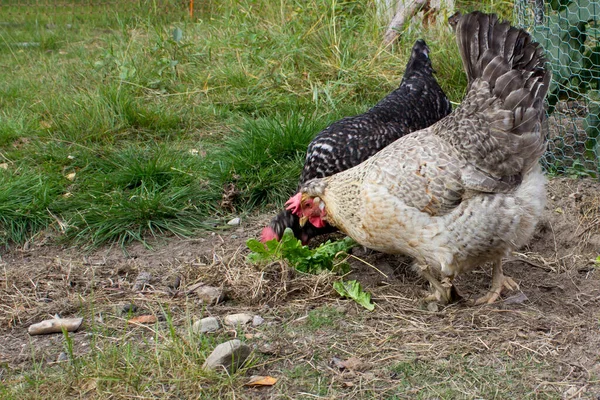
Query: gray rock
{"type": "Point", "coordinates": [230, 355]}
{"type": "Point", "coordinates": [62, 357]}
{"type": "Point", "coordinates": [257, 320]}
{"type": "Point", "coordinates": [141, 281]}
{"type": "Point", "coordinates": [128, 308]}
{"type": "Point", "coordinates": [209, 294]}
{"type": "Point", "coordinates": [172, 282]}
{"type": "Point", "coordinates": [205, 325]}
{"type": "Point", "coordinates": [237, 319]}
{"type": "Point", "coordinates": [234, 222]}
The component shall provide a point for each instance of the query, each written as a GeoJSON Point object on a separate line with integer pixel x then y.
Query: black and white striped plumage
{"type": "Point", "coordinates": [416, 104]}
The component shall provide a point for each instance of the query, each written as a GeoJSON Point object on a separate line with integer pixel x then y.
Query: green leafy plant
{"type": "Point", "coordinates": [353, 290]}
{"type": "Point", "coordinates": [328, 256]}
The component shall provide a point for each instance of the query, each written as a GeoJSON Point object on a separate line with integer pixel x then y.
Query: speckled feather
{"type": "Point", "coordinates": [469, 188]}
{"type": "Point", "coordinates": [416, 104]}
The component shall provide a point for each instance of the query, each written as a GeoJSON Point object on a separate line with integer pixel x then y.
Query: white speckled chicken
{"type": "Point", "coordinates": [468, 189]}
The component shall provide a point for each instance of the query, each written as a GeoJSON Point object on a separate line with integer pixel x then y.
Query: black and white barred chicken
{"type": "Point", "coordinates": [416, 104]}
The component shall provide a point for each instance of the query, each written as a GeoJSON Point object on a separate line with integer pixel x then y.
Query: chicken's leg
{"type": "Point", "coordinates": [442, 291]}
{"type": "Point", "coordinates": [499, 281]}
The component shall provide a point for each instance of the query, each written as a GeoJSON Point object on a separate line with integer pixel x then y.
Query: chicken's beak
{"type": "Point", "coordinates": [303, 221]}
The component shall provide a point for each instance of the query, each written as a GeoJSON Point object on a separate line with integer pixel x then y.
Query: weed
{"type": "Point", "coordinates": [323, 317]}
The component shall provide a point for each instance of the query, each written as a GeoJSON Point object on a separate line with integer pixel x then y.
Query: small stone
{"type": "Point", "coordinates": [257, 320]}
{"type": "Point", "coordinates": [209, 294]}
{"type": "Point", "coordinates": [172, 282]}
{"type": "Point", "coordinates": [206, 325]}
{"type": "Point", "coordinates": [238, 319]}
{"type": "Point", "coordinates": [433, 307]}
{"type": "Point", "coordinates": [230, 355]}
{"type": "Point", "coordinates": [62, 357]}
{"type": "Point", "coordinates": [129, 308]}
{"type": "Point", "coordinates": [55, 325]}
{"type": "Point", "coordinates": [234, 222]}
{"type": "Point", "coordinates": [141, 281]}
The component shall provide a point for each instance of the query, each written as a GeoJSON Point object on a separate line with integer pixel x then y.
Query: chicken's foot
{"type": "Point", "coordinates": [443, 291]}
{"type": "Point", "coordinates": [499, 282]}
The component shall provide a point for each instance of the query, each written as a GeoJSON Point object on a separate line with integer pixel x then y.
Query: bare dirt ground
{"type": "Point", "coordinates": [541, 342]}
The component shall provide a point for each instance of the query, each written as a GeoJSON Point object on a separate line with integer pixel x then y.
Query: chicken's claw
{"type": "Point", "coordinates": [506, 283]}
{"type": "Point", "coordinates": [499, 282]}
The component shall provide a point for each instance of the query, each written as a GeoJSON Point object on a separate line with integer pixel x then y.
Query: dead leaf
{"type": "Point", "coordinates": [518, 298]}
{"type": "Point", "coordinates": [4, 165]}
{"type": "Point", "coordinates": [261, 381]}
{"type": "Point", "coordinates": [71, 176]}
{"type": "Point", "coordinates": [143, 319]}
{"type": "Point", "coordinates": [45, 124]}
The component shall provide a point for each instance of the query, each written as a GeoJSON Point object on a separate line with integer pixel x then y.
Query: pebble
{"type": "Point", "coordinates": [238, 319]}
{"type": "Point", "coordinates": [62, 357]}
{"type": "Point", "coordinates": [141, 281]}
{"type": "Point", "coordinates": [234, 222]}
{"type": "Point", "coordinates": [129, 308]}
{"type": "Point", "coordinates": [172, 282]}
{"type": "Point", "coordinates": [231, 355]}
{"type": "Point", "coordinates": [209, 294]}
{"type": "Point", "coordinates": [257, 320]}
{"type": "Point", "coordinates": [205, 325]}
{"type": "Point", "coordinates": [55, 325]}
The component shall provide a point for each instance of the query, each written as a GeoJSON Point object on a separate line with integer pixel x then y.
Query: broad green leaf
{"type": "Point", "coordinates": [353, 290]}
{"type": "Point", "coordinates": [256, 246]}
{"type": "Point", "coordinates": [177, 35]}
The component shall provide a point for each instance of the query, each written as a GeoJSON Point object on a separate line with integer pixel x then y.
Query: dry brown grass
{"type": "Point", "coordinates": [540, 343]}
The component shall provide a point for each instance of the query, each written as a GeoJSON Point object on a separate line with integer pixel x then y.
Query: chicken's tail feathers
{"type": "Point", "coordinates": [508, 81]}
{"type": "Point", "coordinates": [491, 49]}
{"type": "Point", "coordinates": [419, 61]}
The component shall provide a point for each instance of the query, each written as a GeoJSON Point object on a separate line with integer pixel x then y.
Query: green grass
{"type": "Point", "coordinates": [155, 124]}
{"type": "Point", "coordinates": [157, 360]}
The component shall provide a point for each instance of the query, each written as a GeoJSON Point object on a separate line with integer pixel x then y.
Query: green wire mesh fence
{"type": "Point", "coordinates": [568, 31]}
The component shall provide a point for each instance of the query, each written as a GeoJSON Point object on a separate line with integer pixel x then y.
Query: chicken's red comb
{"type": "Point", "coordinates": [267, 234]}
{"type": "Point", "coordinates": [294, 204]}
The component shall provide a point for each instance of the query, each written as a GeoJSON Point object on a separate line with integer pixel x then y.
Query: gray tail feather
{"type": "Point", "coordinates": [490, 49]}
{"type": "Point", "coordinates": [507, 60]}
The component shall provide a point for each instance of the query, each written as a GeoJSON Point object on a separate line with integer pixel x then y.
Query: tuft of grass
{"type": "Point", "coordinates": [264, 157]}
{"type": "Point", "coordinates": [323, 317]}
{"type": "Point", "coordinates": [138, 192]}
{"type": "Point", "coordinates": [25, 203]}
